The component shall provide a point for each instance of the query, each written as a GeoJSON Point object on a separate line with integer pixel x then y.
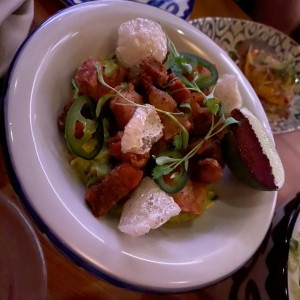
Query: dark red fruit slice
{"type": "Point", "coordinates": [250, 153]}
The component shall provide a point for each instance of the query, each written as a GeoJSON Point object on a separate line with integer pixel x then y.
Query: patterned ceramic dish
{"type": "Point", "coordinates": [180, 8]}
{"type": "Point", "coordinates": [228, 32]}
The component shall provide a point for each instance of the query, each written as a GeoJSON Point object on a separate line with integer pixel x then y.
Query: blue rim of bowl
{"type": "Point", "coordinates": [156, 3]}
{"type": "Point", "coordinates": [17, 186]}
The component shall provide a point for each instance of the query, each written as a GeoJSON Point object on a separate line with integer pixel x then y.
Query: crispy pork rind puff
{"type": "Point", "coordinates": [148, 208]}
{"type": "Point", "coordinates": [227, 91]}
{"type": "Point", "coordinates": [138, 39]}
{"type": "Point", "coordinates": [142, 131]}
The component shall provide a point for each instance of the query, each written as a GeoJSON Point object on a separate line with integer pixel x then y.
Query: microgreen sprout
{"type": "Point", "coordinates": [183, 135]}
{"type": "Point", "coordinates": [165, 164]}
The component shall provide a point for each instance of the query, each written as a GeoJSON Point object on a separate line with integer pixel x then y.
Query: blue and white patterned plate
{"type": "Point", "coordinates": [180, 8]}
{"type": "Point", "coordinates": [227, 32]}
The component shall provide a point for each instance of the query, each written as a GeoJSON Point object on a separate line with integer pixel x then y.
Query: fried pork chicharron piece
{"type": "Point", "coordinates": [101, 196]}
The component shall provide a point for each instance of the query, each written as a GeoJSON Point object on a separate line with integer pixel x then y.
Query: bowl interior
{"type": "Point", "coordinates": [167, 259]}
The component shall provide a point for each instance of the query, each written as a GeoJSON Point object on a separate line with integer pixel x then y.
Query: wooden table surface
{"type": "Point", "coordinates": [67, 281]}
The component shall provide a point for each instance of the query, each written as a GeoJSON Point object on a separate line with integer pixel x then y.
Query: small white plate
{"type": "Point", "coordinates": [180, 8]}
{"type": "Point", "coordinates": [227, 32]}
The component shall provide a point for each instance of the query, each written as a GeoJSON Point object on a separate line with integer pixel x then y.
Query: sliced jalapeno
{"type": "Point", "coordinates": [188, 64]}
{"type": "Point", "coordinates": [176, 180]}
{"type": "Point", "coordinates": [202, 81]}
{"type": "Point", "coordinates": [173, 182]}
{"type": "Point", "coordinates": [89, 140]}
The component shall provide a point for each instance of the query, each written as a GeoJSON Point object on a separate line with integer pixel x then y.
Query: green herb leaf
{"type": "Point", "coordinates": [230, 120]}
{"type": "Point", "coordinates": [177, 141]}
{"type": "Point", "coordinates": [212, 105]}
{"type": "Point", "coordinates": [160, 171]}
{"type": "Point", "coordinates": [162, 160]}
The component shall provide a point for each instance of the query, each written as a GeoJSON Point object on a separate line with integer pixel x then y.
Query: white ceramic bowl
{"type": "Point", "coordinates": [185, 258]}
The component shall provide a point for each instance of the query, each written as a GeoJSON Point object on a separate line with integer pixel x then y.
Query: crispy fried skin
{"type": "Point", "coordinates": [87, 78]}
{"type": "Point", "coordinates": [101, 196]}
{"type": "Point", "coordinates": [191, 198]}
{"type": "Point", "coordinates": [115, 150]}
{"type": "Point", "coordinates": [124, 112]}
